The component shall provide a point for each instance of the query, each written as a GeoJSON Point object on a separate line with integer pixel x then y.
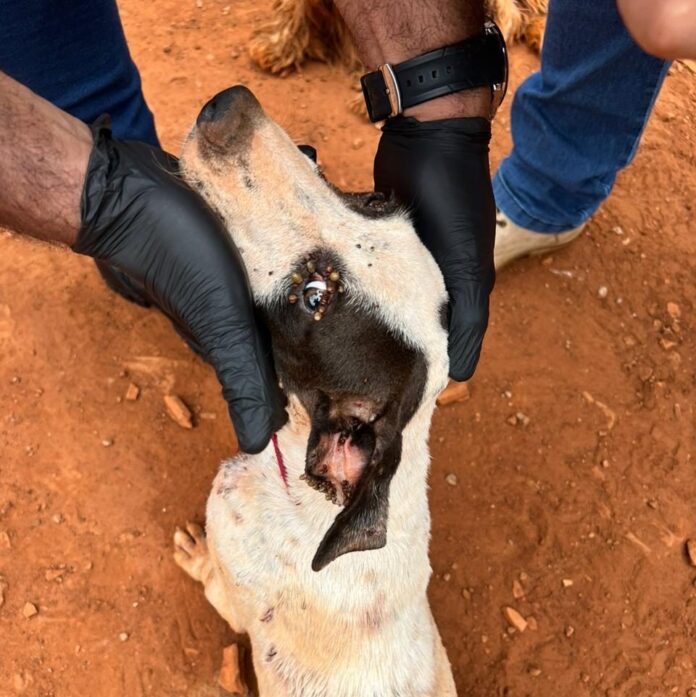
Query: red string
{"type": "Point", "coordinates": [279, 458]}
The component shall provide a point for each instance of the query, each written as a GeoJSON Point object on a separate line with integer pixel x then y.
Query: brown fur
{"type": "Point", "coordinates": [314, 30]}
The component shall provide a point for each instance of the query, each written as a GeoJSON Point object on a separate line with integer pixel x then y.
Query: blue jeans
{"type": "Point", "coordinates": [577, 121]}
{"type": "Point", "coordinates": [74, 54]}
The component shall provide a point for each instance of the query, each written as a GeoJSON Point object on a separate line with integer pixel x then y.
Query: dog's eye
{"type": "Point", "coordinates": [312, 295]}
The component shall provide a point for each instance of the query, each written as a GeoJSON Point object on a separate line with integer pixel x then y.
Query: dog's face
{"type": "Point", "coordinates": [353, 302]}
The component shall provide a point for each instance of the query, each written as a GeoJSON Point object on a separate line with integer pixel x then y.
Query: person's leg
{"type": "Point", "coordinates": [74, 54]}
{"type": "Point", "coordinates": [577, 121]}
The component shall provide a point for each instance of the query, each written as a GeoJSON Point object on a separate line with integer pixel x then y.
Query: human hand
{"type": "Point", "coordinates": [439, 170]}
{"type": "Point", "coordinates": [141, 219]}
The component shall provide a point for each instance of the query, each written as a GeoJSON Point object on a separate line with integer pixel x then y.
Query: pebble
{"type": "Point", "coordinates": [107, 442]}
{"type": "Point", "coordinates": [567, 582]}
{"type": "Point", "coordinates": [517, 590]}
{"type": "Point", "coordinates": [569, 631]}
{"type": "Point", "coordinates": [5, 540]}
{"type": "Point", "coordinates": [177, 411]}
{"type": "Point", "coordinates": [57, 518]}
{"type": "Point", "coordinates": [446, 577]}
{"type": "Point", "coordinates": [602, 292]}
{"type": "Point", "coordinates": [466, 594]}
{"type": "Point", "coordinates": [618, 230]}
{"type": "Point", "coordinates": [691, 551]}
{"type": "Point", "coordinates": [515, 618]}
{"type": "Point", "coordinates": [452, 479]}
{"type": "Point", "coordinates": [532, 623]}
{"type": "Point", "coordinates": [30, 610]}
{"type": "Point", "coordinates": [132, 392]}
{"type": "Point", "coordinates": [54, 574]}
{"type": "Point", "coordinates": [123, 636]}
{"type": "Point", "coordinates": [673, 310]}
{"type": "Point", "coordinates": [535, 672]}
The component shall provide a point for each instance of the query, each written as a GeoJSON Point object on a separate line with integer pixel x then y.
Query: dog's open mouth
{"type": "Point", "coordinates": [337, 459]}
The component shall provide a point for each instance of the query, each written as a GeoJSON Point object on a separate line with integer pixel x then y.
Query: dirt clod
{"type": "Point", "coordinates": [231, 678]}
{"type": "Point", "coordinates": [30, 610]}
{"type": "Point", "coordinates": [177, 411]}
{"type": "Point", "coordinates": [691, 551]}
{"type": "Point", "coordinates": [515, 618]}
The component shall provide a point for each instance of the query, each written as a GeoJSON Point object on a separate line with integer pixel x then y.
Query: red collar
{"type": "Point", "coordinates": [279, 458]}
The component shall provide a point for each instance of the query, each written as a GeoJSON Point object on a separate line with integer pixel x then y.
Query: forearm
{"type": "Point", "coordinates": [43, 160]}
{"type": "Point", "coordinates": [393, 31]}
{"type": "Point", "coordinates": [664, 28]}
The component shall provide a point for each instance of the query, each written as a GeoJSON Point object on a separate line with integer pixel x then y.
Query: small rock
{"type": "Point", "coordinates": [446, 577]}
{"type": "Point", "coordinates": [673, 310]}
{"type": "Point", "coordinates": [454, 392]}
{"type": "Point", "coordinates": [452, 479]}
{"type": "Point", "coordinates": [602, 292]}
{"type": "Point", "coordinates": [107, 442]}
{"type": "Point", "coordinates": [569, 631]}
{"type": "Point", "coordinates": [123, 636]}
{"type": "Point", "coordinates": [691, 551]}
{"type": "Point", "coordinates": [652, 503]}
{"type": "Point", "coordinates": [30, 610]}
{"type": "Point", "coordinates": [177, 411]}
{"type": "Point", "coordinates": [666, 344]}
{"type": "Point", "coordinates": [132, 392]}
{"type": "Point", "coordinates": [515, 618]}
{"type": "Point", "coordinates": [199, 4]}
{"type": "Point", "coordinates": [618, 230]}
{"type": "Point", "coordinates": [517, 590]}
{"type": "Point", "coordinates": [230, 678]}
{"type": "Point", "coordinates": [522, 418]}
{"type": "Point", "coordinates": [466, 594]}
{"type": "Point", "coordinates": [535, 671]}
{"type": "Point", "coordinates": [532, 623]}
{"type": "Point", "coordinates": [512, 420]}
{"type": "Point", "coordinates": [57, 518]}
{"type": "Point", "coordinates": [5, 542]}
{"type": "Point", "coordinates": [567, 582]}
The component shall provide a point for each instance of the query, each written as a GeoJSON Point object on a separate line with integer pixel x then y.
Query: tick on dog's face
{"type": "Point", "coordinates": [352, 300]}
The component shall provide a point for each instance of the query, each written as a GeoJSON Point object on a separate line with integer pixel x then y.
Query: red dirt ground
{"type": "Point", "coordinates": [598, 488]}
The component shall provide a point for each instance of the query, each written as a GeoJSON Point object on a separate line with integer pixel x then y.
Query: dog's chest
{"type": "Point", "coordinates": [309, 630]}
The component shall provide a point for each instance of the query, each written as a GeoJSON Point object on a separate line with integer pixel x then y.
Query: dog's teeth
{"type": "Point", "coordinates": [317, 316]}
{"type": "Point", "coordinates": [334, 276]}
{"type": "Point", "coordinates": [296, 278]}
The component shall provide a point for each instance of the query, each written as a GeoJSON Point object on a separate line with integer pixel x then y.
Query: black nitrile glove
{"type": "Point", "coordinates": [141, 219]}
{"type": "Point", "coordinates": [439, 169]}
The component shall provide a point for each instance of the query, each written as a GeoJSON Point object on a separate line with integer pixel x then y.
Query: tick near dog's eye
{"type": "Point", "coordinates": [312, 295]}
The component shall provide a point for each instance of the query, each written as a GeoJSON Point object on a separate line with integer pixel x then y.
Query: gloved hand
{"type": "Point", "coordinates": [439, 170]}
{"type": "Point", "coordinates": [142, 220]}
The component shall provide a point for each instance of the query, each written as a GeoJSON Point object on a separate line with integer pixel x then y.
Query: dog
{"type": "Point", "coordinates": [314, 30]}
{"type": "Point", "coordinates": [317, 548]}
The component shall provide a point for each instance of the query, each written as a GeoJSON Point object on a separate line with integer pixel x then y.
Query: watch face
{"type": "Point", "coordinates": [499, 88]}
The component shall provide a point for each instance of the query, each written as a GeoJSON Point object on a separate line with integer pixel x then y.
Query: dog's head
{"type": "Point", "coordinates": [354, 304]}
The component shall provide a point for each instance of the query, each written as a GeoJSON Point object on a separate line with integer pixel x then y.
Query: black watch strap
{"type": "Point", "coordinates": [479, 61]}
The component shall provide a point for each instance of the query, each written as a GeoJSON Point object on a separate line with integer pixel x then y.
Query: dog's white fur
{"type": "Point", "coordinates": [362, 626]}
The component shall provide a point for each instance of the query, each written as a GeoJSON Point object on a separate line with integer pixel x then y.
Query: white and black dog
{"type": "Point", "coordinates": [317, 548]}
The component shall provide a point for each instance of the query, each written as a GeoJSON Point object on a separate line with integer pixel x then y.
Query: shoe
{"type": "Point", "coordinates": [515, 242]}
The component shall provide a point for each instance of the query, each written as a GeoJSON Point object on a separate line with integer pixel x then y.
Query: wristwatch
{"type": "Point", "coordinates": [479, 61]}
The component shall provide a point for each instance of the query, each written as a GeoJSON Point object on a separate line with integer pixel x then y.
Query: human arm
{"type": "Point", "coordinates": [122, 204]}
{"type": "Point", "coordinates": [436, 158]}
{"type": "Point", "coordinates": [663, 28]}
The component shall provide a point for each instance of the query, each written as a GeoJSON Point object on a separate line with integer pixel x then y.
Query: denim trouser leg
{"type": "Point", "coordinates": [577, 121]}
{"type": "Point", "coordinates": [74, 54]}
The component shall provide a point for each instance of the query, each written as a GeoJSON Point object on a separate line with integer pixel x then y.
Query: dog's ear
{"type": "Point", "coordinates": [362, 524]}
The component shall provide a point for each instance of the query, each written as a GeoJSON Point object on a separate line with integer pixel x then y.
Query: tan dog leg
{"type": "Point", "coordinates": [192, 555]}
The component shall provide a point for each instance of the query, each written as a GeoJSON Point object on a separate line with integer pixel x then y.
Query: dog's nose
{"type": "Point", "coordinates": [235, 98]}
